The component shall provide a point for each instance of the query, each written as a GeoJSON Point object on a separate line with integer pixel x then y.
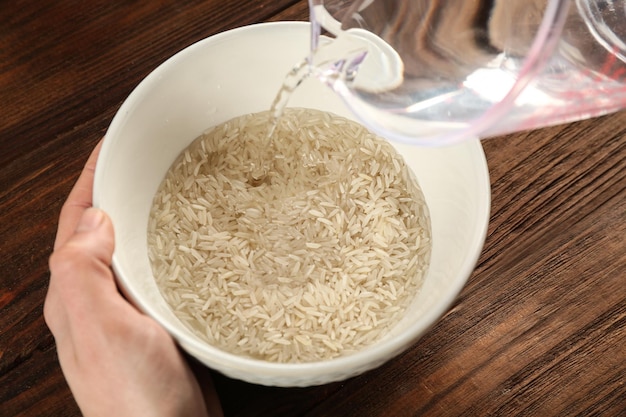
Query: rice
{"type": "Point", "coordinates": [301, 249]}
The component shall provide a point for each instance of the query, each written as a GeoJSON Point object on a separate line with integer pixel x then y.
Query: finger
{"type": "Point", "coordinates": [80, 275]}
{"type": "Point", "coordinates": [79, 199]}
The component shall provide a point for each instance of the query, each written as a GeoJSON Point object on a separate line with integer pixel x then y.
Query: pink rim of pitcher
{"type": "Point", "coordinates": [540, 53]}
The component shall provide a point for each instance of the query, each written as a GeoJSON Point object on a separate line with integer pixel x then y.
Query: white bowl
{"type": "Point", "coordinates": [239, 72]}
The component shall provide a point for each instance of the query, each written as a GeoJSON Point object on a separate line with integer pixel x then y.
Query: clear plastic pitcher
{"type": "Point", "coordinates": [438, 71]}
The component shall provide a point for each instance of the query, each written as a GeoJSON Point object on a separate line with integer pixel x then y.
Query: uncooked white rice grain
{"type": "Point", "coordinates": [316, 258]}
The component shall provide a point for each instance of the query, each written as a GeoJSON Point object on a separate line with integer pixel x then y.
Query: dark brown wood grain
{"type": "Point", "coordinates": [539, 330]}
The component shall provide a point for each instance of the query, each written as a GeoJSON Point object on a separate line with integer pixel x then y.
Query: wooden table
{"type": "Point", "coordinates": [539, 330]}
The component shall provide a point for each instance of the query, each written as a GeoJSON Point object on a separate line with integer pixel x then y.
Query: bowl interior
{"type": "Point", "coordinates": [239, 72]}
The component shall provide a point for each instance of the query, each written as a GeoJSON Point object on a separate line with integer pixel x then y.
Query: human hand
{"type": "Point", "coordinates": [116, 360]}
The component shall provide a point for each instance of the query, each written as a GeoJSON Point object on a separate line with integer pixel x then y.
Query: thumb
{"type": "Point", "coordinates": [91, 220]}
{"type": "Point", "coordinates": [80, 270]}
{"type": "Point", "coordinates": [94, 235]}
{"type": "Point", "coordinates": [89, 250]}
{"type": "Point", "coordinates": [92, 243]}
